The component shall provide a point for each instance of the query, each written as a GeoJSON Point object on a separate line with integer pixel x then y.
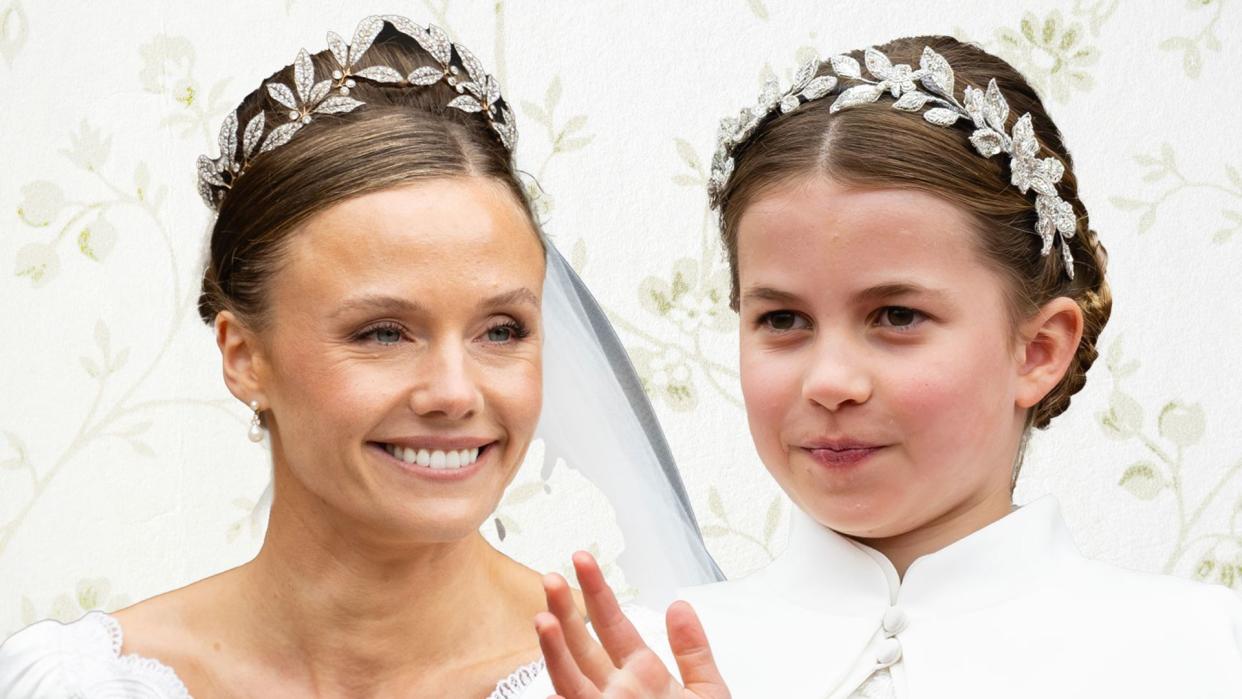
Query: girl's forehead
{"type": "Point", "coordinates": [821, 243]}
{"type": "Point", "coordinates": [819, 224]}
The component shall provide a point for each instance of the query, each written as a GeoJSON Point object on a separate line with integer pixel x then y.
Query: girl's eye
{"type": "Point", "coordinates": [781, 321]}
{"type": "Point", "coordinates": [506, 332]}
{"type": "Point", "coordinates": [899, 317]}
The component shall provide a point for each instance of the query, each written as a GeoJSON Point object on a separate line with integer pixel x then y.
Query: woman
{"type": "Point", "coordinates": [919, 286]}
{"type": "Point", "coordinates": [376, 283]}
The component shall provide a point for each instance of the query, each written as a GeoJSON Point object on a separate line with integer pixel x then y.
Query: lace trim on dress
{"type": "Point", "coordinates": [512, 686]}
{"type": "Point", "coordinates": [146, 669]}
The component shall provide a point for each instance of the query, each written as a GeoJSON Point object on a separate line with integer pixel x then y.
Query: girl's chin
{"type": "Point", "coordinates": [858, 517]}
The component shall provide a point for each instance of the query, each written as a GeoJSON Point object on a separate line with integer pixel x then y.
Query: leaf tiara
{"type": "Point", "coordinates": [986, 109]}
{"type": "Point", "coordinates": [477, 92]}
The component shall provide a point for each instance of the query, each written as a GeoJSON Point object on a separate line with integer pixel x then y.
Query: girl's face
{"type": "Point", "coordinates": [402, 365]}
{"type": "Point", "coordinates": [880, 369]}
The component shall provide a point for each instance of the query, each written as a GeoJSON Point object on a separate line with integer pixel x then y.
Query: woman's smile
{"type": "Point", "coordinates": [437, 458]}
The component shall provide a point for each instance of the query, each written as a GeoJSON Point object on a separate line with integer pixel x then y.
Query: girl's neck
{"type": "Point", "coordinates": [955, 524]}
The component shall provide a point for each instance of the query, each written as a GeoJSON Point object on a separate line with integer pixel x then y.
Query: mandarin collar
{"type": "Point", "coordinates": [823, 570]}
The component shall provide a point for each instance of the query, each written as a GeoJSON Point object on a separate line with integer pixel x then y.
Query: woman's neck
{"type": "Point", "coordinates": [356, 614]}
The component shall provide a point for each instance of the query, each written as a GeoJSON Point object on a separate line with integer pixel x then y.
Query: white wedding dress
{"type": "Point", "coordinates": [83, 660]}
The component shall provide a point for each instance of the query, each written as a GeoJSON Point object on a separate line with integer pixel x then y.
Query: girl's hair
{"type": "Point", "coordinates": [400, 135]}
{"type": "Point", "coordinates": [874, 145]}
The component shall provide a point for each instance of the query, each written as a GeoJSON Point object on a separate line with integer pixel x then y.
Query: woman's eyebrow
{"type": "Point", "coordinates": [377, 302]}
{"type": "Point", "coordinates": [396, 304]}
{"type": "Point", "coordinates": [508, 298]}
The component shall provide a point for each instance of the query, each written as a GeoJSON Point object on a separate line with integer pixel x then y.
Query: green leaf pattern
{"type": "Point", "coordinates": [100, 235]}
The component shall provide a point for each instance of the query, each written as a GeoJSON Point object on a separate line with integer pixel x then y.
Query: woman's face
{"type": "Point", "coordinates": [402, 361]}
{"type": "Point", "coordinates": [878, 360]}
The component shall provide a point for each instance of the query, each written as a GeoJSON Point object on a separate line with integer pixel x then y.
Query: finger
{"type": "Point", "coordinates": [614, 630]}
{"type": "Point", "coordinates": [693, 653]}
{"type": "Point", "coordinates": [567, 679]}
{"type": "Point", "coordinates": [588, 653]}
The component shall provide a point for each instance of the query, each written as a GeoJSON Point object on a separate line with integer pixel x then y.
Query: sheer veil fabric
{"type": "Point", "coordinates": [598, 419]}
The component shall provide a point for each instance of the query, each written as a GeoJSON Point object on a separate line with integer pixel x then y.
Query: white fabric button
{"type": "Point", "coordinates": [887, 652]}
{"type": "Point", "coordinates": [895, 621]}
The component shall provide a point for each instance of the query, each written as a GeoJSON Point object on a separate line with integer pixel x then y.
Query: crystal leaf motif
{"type": "Point", "coordinates": [380, 74]}
{"type": "Point", "coordinates": [941, 116]}
{"type": "Point", "coordinates": [364, 36]}
{"type": "Point", "coordinates": [307, 97]}
{"type": "Point", "coordinates": [425, 76]}
{"type": "Point", "coordinates": [911, 101]}
{"type": "Point", "coordinates": [303, 75]}
{"type": "Point", "coordinates": [340, 51]}
{"type": "Point", "coordinates": [986, 109]}
{"type": "Point", "coordinates": [254, 129]}
{"type": "Point", "coordinates": [805, 73]}
{"type": "Point", "coordinates": [859, 94]}
{"type": "Point", "coordinates": [846, 67]}
{"type": "Point", "coordinates": [819, 87]}
{"type": "Point", "coordinates": [938, 76]}
{"type": "Point", "coordinates": [227, 141]}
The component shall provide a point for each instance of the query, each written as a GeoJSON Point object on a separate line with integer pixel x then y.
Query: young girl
{"type": "Point", "coordinates": [919, 286]}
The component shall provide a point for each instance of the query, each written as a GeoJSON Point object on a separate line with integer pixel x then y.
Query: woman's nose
{"type": "Point", "coordinates": [446, 386]}
{"type": "Point", "coordinates": [836, 376]}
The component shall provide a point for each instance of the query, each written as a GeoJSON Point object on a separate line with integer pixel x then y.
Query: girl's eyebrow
{"type": "Point", "coordinates": [873, 293]}
{"type": "Point", "coordinates": [767, 293]}
{"type": "Point", "coordinates": [890, 290]}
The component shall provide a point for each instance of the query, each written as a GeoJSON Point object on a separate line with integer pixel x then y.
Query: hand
{"type": "Point", "coordinates": [623, 667]}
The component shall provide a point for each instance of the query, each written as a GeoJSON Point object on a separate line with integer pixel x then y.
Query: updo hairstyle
{"type": "Point", "coordinates": [875, 146]}
{"type": "Point", "coordinates": [400, 135]}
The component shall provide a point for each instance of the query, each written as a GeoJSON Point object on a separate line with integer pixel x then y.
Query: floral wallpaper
{"type": "Point", "coordinates": [124, 467]}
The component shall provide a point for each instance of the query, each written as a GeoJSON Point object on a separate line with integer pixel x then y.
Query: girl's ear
{"type": "Point", "coordinates": [242, 358]}
{"type": "Point", "coordinates": [1049, 341]}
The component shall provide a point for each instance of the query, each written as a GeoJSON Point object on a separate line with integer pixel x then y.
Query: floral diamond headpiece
{"type": "Point", "coordinates": [986, 109]}
{"type": "Point", "coordinates": [309, 97]}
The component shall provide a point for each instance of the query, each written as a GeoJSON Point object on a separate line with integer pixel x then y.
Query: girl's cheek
{"type": "Point", "coordinates": [770, 387]}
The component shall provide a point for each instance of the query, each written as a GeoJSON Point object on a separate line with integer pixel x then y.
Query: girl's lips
{"type": "Point", "coordinates": [840, 458]}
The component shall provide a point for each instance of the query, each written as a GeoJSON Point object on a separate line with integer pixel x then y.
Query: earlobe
{"type": "Point", "coordinates": [1050, 341]}
{"type": "Point", "coordinates": [240, 357]}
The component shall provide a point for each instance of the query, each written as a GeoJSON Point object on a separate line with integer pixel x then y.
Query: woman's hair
{"type": "Point", "coordinates": [401, 134]}
{"type": "Point", "coordinates": [874, 145]}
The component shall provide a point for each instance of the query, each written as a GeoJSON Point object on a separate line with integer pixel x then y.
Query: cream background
{"type": "Point", "coordinates": [124, 467]}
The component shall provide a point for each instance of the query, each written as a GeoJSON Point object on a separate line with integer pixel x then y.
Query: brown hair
{"type": "Point", "coordinates": [874, 145]}
{"type": "Point", "coordinates": [400, 135]}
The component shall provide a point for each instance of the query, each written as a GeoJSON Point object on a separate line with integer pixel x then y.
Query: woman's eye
{"type": "Point", "coordinates": [780, 320]}
{"type": "Point", "coordinates": [506, 332]}
{"type": "Point", "coordinates": [386, 336]}
{"type": "Point", "coordinates": [899, 317]}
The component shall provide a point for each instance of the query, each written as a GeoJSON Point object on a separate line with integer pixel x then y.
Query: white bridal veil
{"type": "Point", "coordinates": [598, 419]}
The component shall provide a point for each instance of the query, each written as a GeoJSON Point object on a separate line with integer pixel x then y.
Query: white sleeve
{"type": "Point", "coordinates": [32, 663]}
{"type": "Point", "coordinates": [51, 660]}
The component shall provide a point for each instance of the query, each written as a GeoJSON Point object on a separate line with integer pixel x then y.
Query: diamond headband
{"type": "Point", "coordinates": [309, 97]}
{"type": "Point", "coordinates": [987, 110]}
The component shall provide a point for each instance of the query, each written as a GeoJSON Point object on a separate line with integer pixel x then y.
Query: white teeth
{"type": "Point", "coordinates": [438, 459]}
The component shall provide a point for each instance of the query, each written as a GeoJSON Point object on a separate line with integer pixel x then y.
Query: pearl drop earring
{"type": "Point", "coordinates": [256, 426]}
